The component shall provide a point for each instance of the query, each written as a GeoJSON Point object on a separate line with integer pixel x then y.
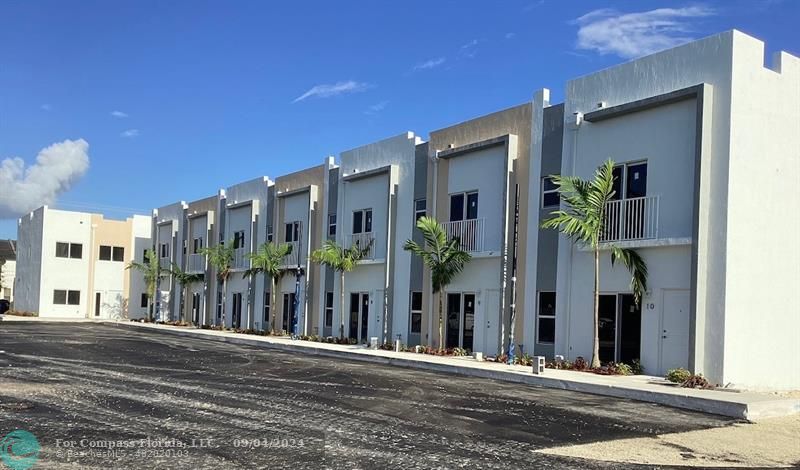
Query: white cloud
{"type": "Point", "coordinates": [429, 64]}
{"type": "Point", "coordinates": [328, 90]}
{"type": "Point", "coordinates": [56, 169]}
{"type": "Point", "coordinates": [631, 35]}
{"type": "Point", "coordinates": [119, 114]}
{"type": "Point", "coordinates": [46, 107]}
{"type": "Point", "coordinates": [510, 35]}
{"type": "Point", "coordinates": [376, 108]}
{"type": "Point", "coordinates": [130, 133]}
{"type": "Point", "coordinates": [468, 49]}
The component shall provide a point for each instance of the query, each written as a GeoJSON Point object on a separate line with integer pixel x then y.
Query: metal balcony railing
{"type": "Point", "coordinates": [362, 240]}
{"type": "Point", "coordinates": [294, 258]}
{"type": "Point", "coordinates": [165, 263]}
{"type": "Point", "coordinates": [631, 219]}
{"type": "Point", "coordinates": [240, 258]}
{"type": "Point", "coordinates": [469, 232]}
{"type": "Point", "coordinates": [196, 263]}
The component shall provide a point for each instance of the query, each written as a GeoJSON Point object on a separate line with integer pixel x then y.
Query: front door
{"type": "Point", "coordinates": [674, 350]}
{"type": "Point", "coordinates": [460, 321]}
{"type": "Point", "coordinates": [236, 317]}
{"type": "Point", "coordinates": [359, 316]}
{"type": "Point", "coordinates": [620, 328]}
{"type": "Point", "coordinates": [289, 308]}
{"type": "Point", "coordinates": [196, 308]}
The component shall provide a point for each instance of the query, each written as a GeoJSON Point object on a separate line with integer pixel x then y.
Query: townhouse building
{"type": "Point", "coordinates": [168, 242]}
{"type": "Point", "coordinates": [8, 269]}
{"type": "Point", "coordinates": [73, 265]}
{"type": "Point", "coordinates": [694, 131]}
{"type": "Point", "coordinates": [246, 223]}
{"type": "Point", "coordinates": [376, 207]}
{"type": "Point", "coordinates": [201, 230]}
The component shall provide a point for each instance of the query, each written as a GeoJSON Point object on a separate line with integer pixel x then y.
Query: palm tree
{"type": "Point", "coordinates": [583, 220]}
{"type": "Point", "coordinates": [221, 259]}
{"type": "Point", "coordinates": [341, 260]}
{"type": "Point", "coordinates": [443, 257]}
{"type": "Point", "coordinates": [152, 271]}
{"type": "Point", "coordinates": [185, 279]}
{"type": "Point", "coordinates": [269, 259]}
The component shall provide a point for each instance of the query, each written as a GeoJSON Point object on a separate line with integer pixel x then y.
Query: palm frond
{"type": "Point", "coordinates": [445, 259]}
{"type": "Point", "coordinates": [636, 266]}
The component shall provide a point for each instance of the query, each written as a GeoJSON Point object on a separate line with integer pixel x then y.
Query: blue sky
{"type": "Point", "coordinates": [174, 100]}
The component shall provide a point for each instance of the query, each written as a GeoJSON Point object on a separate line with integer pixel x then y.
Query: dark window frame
{"type": "Point", "coordinates": [549, 318]}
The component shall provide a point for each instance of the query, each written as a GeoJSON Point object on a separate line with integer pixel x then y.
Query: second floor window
{"type": "Point", "coordinates": [362, 221]}
{"type": "Point", "coordinates": [292, 232]}
{"type": "Point", "coordinates": [238, 239]}
{"type": "Point", "coordinates": [332, 225]}
{"type": "Point", "coordinates": [197, 245]}
{"type": "Point", "coordinates": [69, 250]}
{"type": "Point", "coordinates": [109, 253]}
{"type": "Point", "coordinates": [464, 206]}
{"type": "Point", "coordinates": [550, 196]}
{"type": "Point", "coordinates": [420, 209]}
{"type": "Point", "coordinates": [630, 180]}
{"type": "Point", "coordinates": [163, 250]}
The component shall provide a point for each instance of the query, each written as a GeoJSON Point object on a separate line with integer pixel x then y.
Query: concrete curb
{"type": "Point", "coordinates": [750, 407]}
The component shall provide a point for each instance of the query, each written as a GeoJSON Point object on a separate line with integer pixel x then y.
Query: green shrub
{"type": "Point", "coordinates": [678, 376]}
{"type": "Point", "coordinates": [524, 360]}
{"type": "Point", "coordinates": [636, 367]}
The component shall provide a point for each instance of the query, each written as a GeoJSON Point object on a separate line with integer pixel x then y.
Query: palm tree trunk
{"type": "Point", "coordinates": [224, 300]}
{"type": "Point", "coordinates": [596, 344]}
{"type": "Point", "coordinates": [441, 322]}
{"type": "Point", "coordinates": [341, 305]}
{"type": "Point", "coordinates": [272, 312]}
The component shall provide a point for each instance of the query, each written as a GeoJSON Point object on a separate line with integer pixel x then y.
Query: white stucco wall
{"type": "Point", "coordinates": [762, 323]}
{"type": "Point", "coordinates": [141, 240]}
{"type": "Point", "coordinates": [65, 273]}
{"type": "Point", "coordinates": [9, 269]}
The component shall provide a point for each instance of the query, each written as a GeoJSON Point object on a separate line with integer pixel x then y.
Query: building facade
{"type": "Point", "coordinates": [73, 265]}
{"type": "Point", "coordinates": [8, 269]}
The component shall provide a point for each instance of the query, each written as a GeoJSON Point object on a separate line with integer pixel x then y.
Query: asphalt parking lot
{"type": "Point", "coordinates": [171, 402]}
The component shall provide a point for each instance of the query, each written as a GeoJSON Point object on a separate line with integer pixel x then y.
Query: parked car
{"type": "Point", "coordinates": [4, 306]}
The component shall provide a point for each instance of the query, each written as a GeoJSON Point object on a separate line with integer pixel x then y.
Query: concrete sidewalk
{"type": "Point", "coordinates": [744, 405]}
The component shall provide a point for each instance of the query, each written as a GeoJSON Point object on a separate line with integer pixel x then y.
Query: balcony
{"type": "Point", "coordinates": [469, 232]}
{"type": "Point", "coordinates": [293, 258]}
{"type": "Point", "coordinates": [362, 240]}
{"type": "Point", "coordinates": [165, 263]}
{"type": "Point", "coordinates": [196, 263]}
{"type": "Point", "coordinates": [631, 219]}
{"type": "Point", "coordinates": [240, 259]}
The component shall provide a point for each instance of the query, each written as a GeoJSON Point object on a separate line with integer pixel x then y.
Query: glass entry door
{"type": "Point", "coordinates": [460, 320]}
{"type": "Point", "coordinates": [620, 328]}
{"type": "Point", "coordinates": [359, 316]}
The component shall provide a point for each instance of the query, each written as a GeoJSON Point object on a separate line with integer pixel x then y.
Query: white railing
{"type": "Point", "coordinates": [362, 240]}
{"type": "Point", "coordinates": [293, 258]}
{"type": "Point", "coordinates": [240, 258]}
{"type": "Point", "coordinates": [469, 232]}
{"type": "Point", "coordinates": [196, 263]}
{"type": "Point", "coordinates": [631, 219]}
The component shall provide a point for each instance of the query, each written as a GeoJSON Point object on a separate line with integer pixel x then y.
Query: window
{"type": "Point", "coordinates": [145, 258]}
{"type": "Point", "coordinates": [464, 206]}
{"type": "Point", "coordinates": [238, 239]}
{"type": "Point", "coordinates": [630, 180]}
{"type": "Point", "coordinates": [143, 301]}
{"type": "Point", "coordinates": [118, 253]}
{"type": "Point", "coordinates": [267, 302]}
{"type": "Point", "coordinates": [197, 245]}
{"type": "Point", "coordinates": [164, 250]}
{"type": "Point", "coordinates": [69, 250]}
{"type": "Point", "coordinates": [550, 196]}
{"type": "Point", "coordinates": [547, 317]}
{"type": "Point", "coordinates": [60, 297]}
{"type": "Point", "coordinates": [416, 312]}
{"type": "Point", "coordinates": [328, 309]}
{"type": "Point", "coordinates": [108, 253]}
{"type": "Point", "coordinates": [66, 297]}
{"type": "Point", "coordinates": [62, 250]}
{"type": "Point", "coordinates": [219, 306]}
{"type": "Point", "coordinates": [420, 209]}
{"type": "Point", "coordinates": [362, 221]}
{"type": "Point", "coordinates": [105, 253]}
{"type": "Point", "coordinates": [269, 233]}
{"type": "Point", "coordinates": [331, 225]}
{"type": "Point", "coordinates": [184, 247]}
{"type": "Point", "coordinates": [292, 232]}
